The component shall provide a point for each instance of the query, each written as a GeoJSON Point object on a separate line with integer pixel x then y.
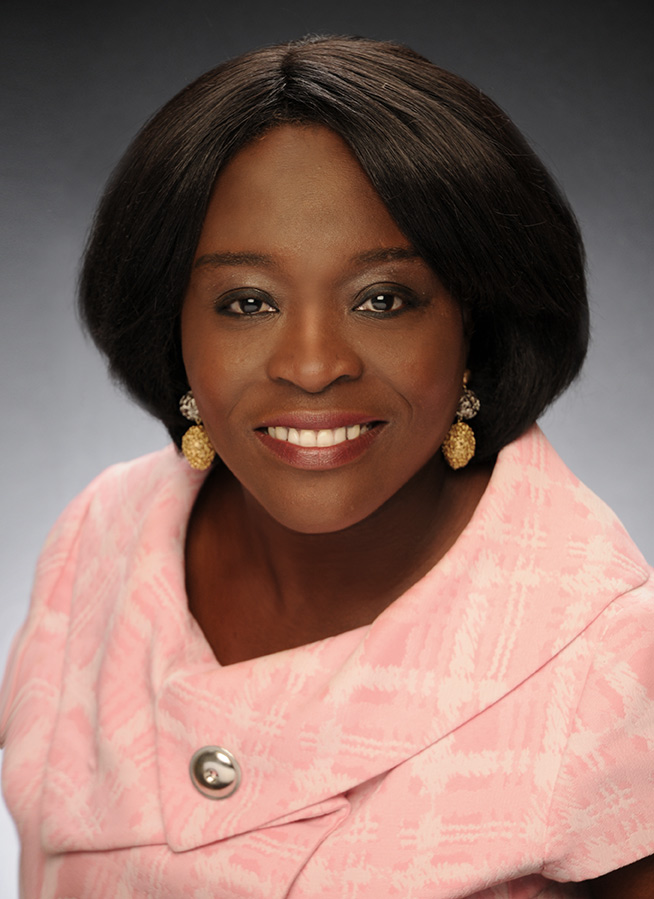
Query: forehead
{"type": "Point", "coordinates": [295, 183]}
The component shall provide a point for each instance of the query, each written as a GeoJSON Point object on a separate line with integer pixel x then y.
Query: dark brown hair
{"type": "Point", "coordinates": [454, 172]}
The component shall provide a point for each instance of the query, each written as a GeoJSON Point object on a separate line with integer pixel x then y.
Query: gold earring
{"type": "Point", "coordinates": [196, 446]}
{"type": "Point", "coordinates": [459, 444]}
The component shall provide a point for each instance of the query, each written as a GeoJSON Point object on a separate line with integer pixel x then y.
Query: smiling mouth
{"type": "Point", "coordinates": [324, 437]}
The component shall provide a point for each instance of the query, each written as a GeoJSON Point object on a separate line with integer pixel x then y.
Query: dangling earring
{"type": "Point", "coordinates": [459, 445]}
{"type": "Point", "coordinates": [196, 445]}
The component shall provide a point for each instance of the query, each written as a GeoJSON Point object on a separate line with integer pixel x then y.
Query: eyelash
{"type": "Point", "coordinates": [225, 306]}
{"type": "Point", "coordinates": [227, 310]}
{"type": "Point", "coordinates": [383, 294]}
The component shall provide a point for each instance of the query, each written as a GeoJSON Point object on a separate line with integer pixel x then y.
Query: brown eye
{"type": "Point", "coordinates": [382, 302]}
{"type": "Point", "coordinates": [247, 305]}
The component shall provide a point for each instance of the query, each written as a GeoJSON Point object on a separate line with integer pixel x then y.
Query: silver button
{"type": "Point", "coordinates": [215, 772]}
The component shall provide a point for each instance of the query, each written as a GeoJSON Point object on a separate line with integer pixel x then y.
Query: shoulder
{"type": "Point", "coordinates": [119, 487]}
{"type": "Point", "coordinates": [600, 815]}
{"type": "Point", "coordinates": [120, 499]}
{"type": "Point", "coordinates": [92, 536]}
{"type": "Point", "coordinates": [109, 516]}
{"type": "Point", "coordinates": [137, 483]}
{"type": "Point", "coordinates": [558, 519]}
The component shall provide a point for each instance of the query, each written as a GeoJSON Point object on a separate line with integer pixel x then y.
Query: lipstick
{"type": "Point", "coordinates": [319, 441]}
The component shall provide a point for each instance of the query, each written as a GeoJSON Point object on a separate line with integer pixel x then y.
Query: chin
{"type": "Point", "coordinates": [311, 516]}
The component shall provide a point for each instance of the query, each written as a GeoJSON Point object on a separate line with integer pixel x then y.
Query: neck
{"type": "Point", "coordinates": [344, 579]}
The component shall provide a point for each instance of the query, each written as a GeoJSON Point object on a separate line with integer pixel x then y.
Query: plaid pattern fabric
{"type": "Point", "coordinates": [490, 734]}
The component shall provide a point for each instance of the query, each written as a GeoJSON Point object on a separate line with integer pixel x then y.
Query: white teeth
{"type": "Point", "coordinates": [323, 437]}
{"type": "Point", "coordinates": [308, 438]}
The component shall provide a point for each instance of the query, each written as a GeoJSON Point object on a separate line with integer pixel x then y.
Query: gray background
{"type": "Point", "coordinates": [80, 78]}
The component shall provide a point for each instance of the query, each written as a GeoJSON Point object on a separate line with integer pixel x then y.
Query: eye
{"type": "Point", "coordinates": [250, 306]}
{"type": "Point", "coordinates": [382, 301]}
{"type": "Point", "coordinates": [247, 304]}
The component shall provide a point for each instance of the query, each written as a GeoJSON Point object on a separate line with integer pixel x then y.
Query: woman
{"type": "Point", "coordinates": [382, 623]}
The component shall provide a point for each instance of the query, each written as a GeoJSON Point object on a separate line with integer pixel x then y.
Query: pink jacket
{"type": "Point", "coordinates": [491, 734]}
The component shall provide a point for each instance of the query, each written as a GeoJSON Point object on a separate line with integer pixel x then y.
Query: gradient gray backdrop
{"type": "Point", "coordinates": [81, 77]}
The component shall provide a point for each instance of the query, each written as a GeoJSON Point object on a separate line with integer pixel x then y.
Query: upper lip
{"type": "Point", "coordinates": [317, 421]}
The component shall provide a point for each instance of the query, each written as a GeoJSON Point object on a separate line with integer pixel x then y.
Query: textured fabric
{"type": "Point", "coordinates": [491, 734]}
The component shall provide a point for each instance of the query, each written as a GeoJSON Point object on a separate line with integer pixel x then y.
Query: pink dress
{"type": "Point", "coordinates": [491, 734]}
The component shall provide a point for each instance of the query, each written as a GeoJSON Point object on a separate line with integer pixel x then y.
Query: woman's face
{"type": "Point", "coordinates": [325, 356]}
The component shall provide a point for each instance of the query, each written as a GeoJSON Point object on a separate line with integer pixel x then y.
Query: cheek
{"type": "Point", "coordinates": [429, 375]}
{"type": "Point", "coordinates": [217, 368]}
{"type": "Point", "coordinates": [217, 385]}
{"type": "Point", "coordinates": [434, 403]}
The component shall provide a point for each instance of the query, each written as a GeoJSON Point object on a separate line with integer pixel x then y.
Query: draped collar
{"type": "Point", "coordinates": [539, 560]}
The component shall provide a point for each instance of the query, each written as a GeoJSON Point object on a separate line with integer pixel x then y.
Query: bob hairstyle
{"type": "Point", "coordinates": [455, 174]}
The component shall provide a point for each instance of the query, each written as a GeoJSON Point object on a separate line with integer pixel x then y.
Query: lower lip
{"type": "Point", "coordinates": [320, 458]}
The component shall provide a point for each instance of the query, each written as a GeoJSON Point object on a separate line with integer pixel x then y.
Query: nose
{"type": "Point", "coordinates": [313, 354]}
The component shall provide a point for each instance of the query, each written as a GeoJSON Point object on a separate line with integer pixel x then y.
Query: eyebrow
{"type": "Point", "coordinates": [218, 259]}
{"type": "Point", "coordinates": [387, 254]}
{"type": "Point", "coordinates": [381, 254]}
